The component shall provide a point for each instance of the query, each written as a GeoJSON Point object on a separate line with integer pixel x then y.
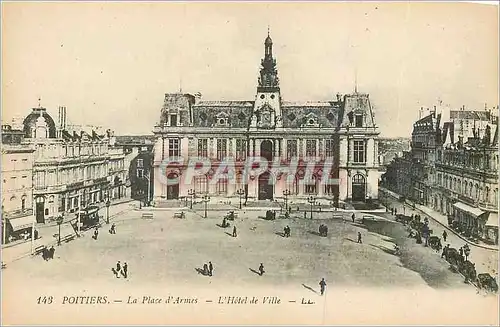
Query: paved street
{"type": "Point", "coordinates": [486, 260]}
{"type": "Point", "coordinates": [169, 250]}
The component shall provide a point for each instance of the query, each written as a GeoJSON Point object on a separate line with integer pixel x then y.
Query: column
{"type": "Point", "coordinates": [257, 147]}
{"type": "Point", "coordinates": [275, 148]}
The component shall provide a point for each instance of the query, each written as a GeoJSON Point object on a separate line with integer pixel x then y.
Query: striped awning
{"type": "Point", "coordinates": [476, 212]}
{"type": "Point", "coordinates": [492, 220]}
{"type": "Point", "coordinates": [22, 222]}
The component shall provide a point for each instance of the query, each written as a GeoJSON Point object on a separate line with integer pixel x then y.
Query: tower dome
{"type": "Point", "coordinates": [268, 40]}
{"type": "Point", "coordinates": [39, 124]}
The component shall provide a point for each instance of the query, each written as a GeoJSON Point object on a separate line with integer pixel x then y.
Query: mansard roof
{"type": "Point", "coordinates": [224, 103]}
{"type": "Point", "coordinates": [469, 114]}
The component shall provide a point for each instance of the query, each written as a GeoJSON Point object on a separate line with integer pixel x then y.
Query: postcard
{"type": "Point", "coordinates": [244, 163]}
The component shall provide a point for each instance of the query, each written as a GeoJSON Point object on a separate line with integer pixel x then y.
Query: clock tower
{"type": "Point", "coordinates": [267, 108]}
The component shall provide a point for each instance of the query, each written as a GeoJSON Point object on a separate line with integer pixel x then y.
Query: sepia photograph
{"type": "Point", "coordinates": [249, 163]}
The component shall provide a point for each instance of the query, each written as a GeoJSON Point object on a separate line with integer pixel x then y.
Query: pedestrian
{"type": "Point", "coordinates": [210, 268]}
{"type": "Point", "coordinates": [322, 285]}
{"type": "Point", "coordinates": [359, 238]}
{"type": "Point", "coordinates": [205, 269]}
{"type": "Point", "coordinates": [466, 252]}
{"type": "Point", "coordinates": [445, 251]}
{"type": "Point", "coordinates": [288, 231]}
{"type": "Point", "coordinates": [353, 217]}
{"type": "Point", "coordinates": [96, 233]}
{"type": "Point", "coordinates": [305, 215]}
{"type": "Point", "coordinates": [125, 270]}
{"type": "Point", "coordinates": [224, 222]}
{"type": "Point", "coordinates": [52, 251]}
{"type": "Point", "coordinates": [113, 228]}
{"type": "Point", "coordinates": [261, 269]}
{"type": "Point", "coordinates": [118, 269]}
{"type": "Point", "coordinates": [461, 251]}
{"type": "Point", "coordinates": [445, 235]}
{"type": "Point", "coordinates": [234, 231]}
{"type": "Point", "coordinates": [395, 211]}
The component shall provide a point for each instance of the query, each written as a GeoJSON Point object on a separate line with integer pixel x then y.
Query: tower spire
{"type": "Point", "coordinates": [180, 84]}
{"type": "Point", "coordinates": [356, 81]}
{"type": "Point", "coordinates": [39, 102]}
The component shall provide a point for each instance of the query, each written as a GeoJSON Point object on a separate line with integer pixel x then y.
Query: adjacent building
{"type": "Point", "coordinates": [452, 167]}
{"type": "Point", "coordinates": [71, 167]}
{"type": "Point", "coordinates": [17, 184]}
{"type": "Point", "coordinates": [342, 131]}
{"type": "Point", "coordinates": [138, 150]}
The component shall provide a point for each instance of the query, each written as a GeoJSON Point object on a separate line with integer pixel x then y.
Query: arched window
{"type": "Point", "coordinates": [358, 179]}
{"type": "Point", "coordinates": [476, 191]}
{"type": "Point", "coordinates": [470, 189]}
{"type": "Point", "coordinates": [13, 198]}
{"type": "Point", "coordinates": [487, 194]}
{"type": "Point", "coordinates": [460, 186]}
{"type": "Point", "coordinates": [23, 202]}
{"type": "Point", "coordinates": [465, 188]}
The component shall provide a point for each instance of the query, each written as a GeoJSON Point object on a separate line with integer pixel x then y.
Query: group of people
{"type": "Point", "coordinates": [48, 253]}
{"type": "Point", "coordinates": [208, 269]}
{"type": "Point", "coordinates": [120, 270]}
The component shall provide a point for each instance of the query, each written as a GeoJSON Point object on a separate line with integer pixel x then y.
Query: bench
{"type": "Point", "coordinates": [39, 249]}
{"type": "Point", "coordinates": [147, 215]}
{"type": "Point", "coordinates": [179, 215]}
{"type": "Point", "coordinates": [68, 238]}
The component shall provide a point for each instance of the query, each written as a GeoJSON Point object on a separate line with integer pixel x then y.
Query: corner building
{"type": "Point", "coordinates": [342, 131]}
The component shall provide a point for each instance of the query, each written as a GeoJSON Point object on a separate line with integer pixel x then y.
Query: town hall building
{"type": "Point", "coordinates": [341, 131]}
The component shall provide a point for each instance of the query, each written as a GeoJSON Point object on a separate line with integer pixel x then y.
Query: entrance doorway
{"type": "Point", "coordinates": [266, 150]}
{"type": "Point", "coordinates": [40, 210]}
{"type": "Point", "coordinates": [172, 189]}
{"type": "Point", "coordinates": [358, 188]}
{"type": "Point", "coordinates": [266, 187]}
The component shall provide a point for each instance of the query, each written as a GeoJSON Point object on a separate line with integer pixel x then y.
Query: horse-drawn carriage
{"type": "Point", "coordinates": [403, 219]}
{"type": "Point", "coordinates": [231, 215]}
{"type": "Point", "coordinates": [459, 264]}
{"type": "Point", "coordinates": [487, 282]}
{"type": "Point", "coordinates": [270, 215]}
{"type": "Point", "coordinates": [435, 243]}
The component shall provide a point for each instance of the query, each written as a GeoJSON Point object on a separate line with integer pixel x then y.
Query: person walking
{"type": "Point", "coordinates": [113, 228]}
{"type": "Point", "coordinates": [205, 269]}
{"type": "Point", "coordinates": [359, 238]}
{"type": "Point", "coordinates": [445, 235]}
{"type": "Point", "coordinates": [210, 268]}
{"type": "Point", "coordinates": [261, 269]}
{"type": "Point", "coordinates": [125, 270]}
{"type": "Point", "coordinates": [322, 285]}
{"type": "Point", "coordinates": [353, 217]}
{"type": "Point", "coordinates": [234, 231]}
{"type": "Point", "coordinates": [118, 269]}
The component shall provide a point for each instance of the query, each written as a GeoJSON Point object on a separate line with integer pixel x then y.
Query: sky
{"type": "Point", "coordinates": [110, 64]}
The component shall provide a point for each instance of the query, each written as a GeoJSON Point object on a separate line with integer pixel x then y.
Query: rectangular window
{"type": "Point", "coordinates": [203, 148]}
{"type": "Point", "coordinates": [200, 185]}
{"type": "Point", "coordinates": [310, 148]}
{"type": "Point", "coordinates": [359, 121]}
{"type": "Point", "coordinates": [173, 120]}
{"type": "Point", "coordinates": [328, 148]}
{"type": "Point", "coordinates": [222, 186]}
{"type": "Point", "coordinates": [221, 149]}
{"type": "Point", "coordinates": [291, 149]}
{"type": "Point", "coordinates": [173, 148]}
{"type": "Point", "coordinates": [329, 189]}
{"type": "Point", "coordinates": [241, 149]}
{"type": "Point", "coordinates": [140, 163]}
{"type": "Point", "coordinates": [140, 173]}
{"type": "Point", "coordinates": [311, 188]}
{"type": "Point", "coordinates": [359, 152]}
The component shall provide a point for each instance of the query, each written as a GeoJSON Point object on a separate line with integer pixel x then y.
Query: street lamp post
{"type": "Point", "coordinates": [240, 193]}
{"type": "Point", "coordinates": [191, 193]}
{"type": "Point", "coordinates": [286, 193]}
{"type": "Point", "coordinates": [311, 200]}
{"type": "Point", "coordinates": [206, 199]}
{"type": "Point", "coordinates": [148, 178]}
{"type": "Point", "coordinates": [107, 211]}
{"type": "Point", "coordinates": [59, 222]}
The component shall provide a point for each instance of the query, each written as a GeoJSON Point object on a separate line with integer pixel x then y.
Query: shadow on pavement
{"type": "Point", "coordinates": [314, 232]}
{"type": "Point", "coordinates": [254, 271]}
{"type": "Point", "coordinates": [310, 288]}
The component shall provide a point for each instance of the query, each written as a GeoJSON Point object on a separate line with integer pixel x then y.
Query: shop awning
{"type": "Point", "coordinates": [476, 212]}
{"type": "Point", "coordinates": [492, 220]}
{"type": "Point", "coordinates": [22, 222]}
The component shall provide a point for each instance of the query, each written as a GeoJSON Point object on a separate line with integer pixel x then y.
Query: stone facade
{"type": "Point", "coordinates": [17, 184]}
{"type": "Point", "coordinates": [71, 169]}
{"type": "Point", "coordinates": [341, 131]}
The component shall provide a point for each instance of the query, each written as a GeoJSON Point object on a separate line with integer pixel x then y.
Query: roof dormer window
{"type": "Point", "coordinates": [311, 120]}
{"type": "Point", "coordinates": [222, 119]}
{"type": "Point", "coordinates": [358, 121]}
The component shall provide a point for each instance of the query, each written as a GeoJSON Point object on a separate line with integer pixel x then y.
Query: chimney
{"type": "Point", "coordinates": [61, 120]}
